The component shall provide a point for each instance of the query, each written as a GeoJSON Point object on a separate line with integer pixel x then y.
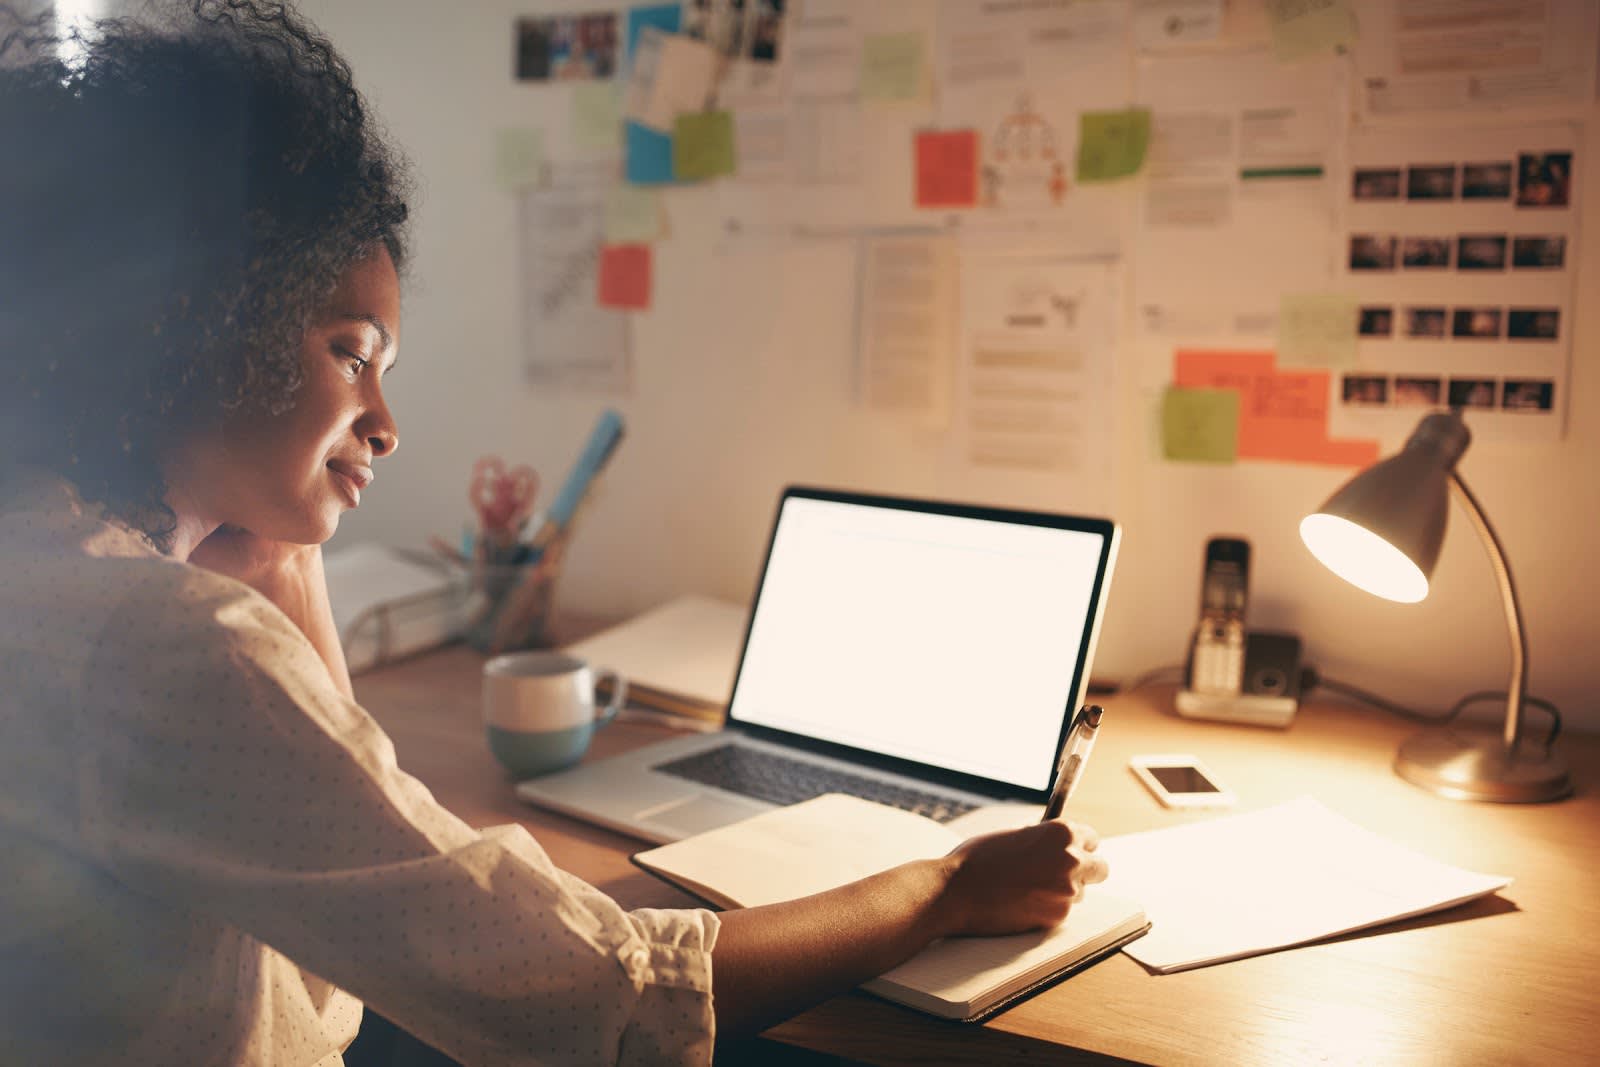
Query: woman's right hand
{"type": "Point", "coordinates": [1016, 880]}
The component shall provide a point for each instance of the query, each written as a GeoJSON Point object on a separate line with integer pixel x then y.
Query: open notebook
{"type": "Point", "coordinates": [833, 839]}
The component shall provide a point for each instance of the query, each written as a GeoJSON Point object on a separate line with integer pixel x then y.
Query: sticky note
{"type": "Point", "coordinates": [947, 168]}
{"type": "Point", "coordinates": [1283, 415]}
{"type": "Point", "coordinates": [667, 18]}
{"type": "Point", "coordinates": [702, 145]}
{"type": "Point", "coordinates": [1317, 329]}
{"type": "Point", "coordinates": [1200, 425]}
{"type": "Point", "coordinates": [624, 280]}
{"type": "Point", "coordinates": [891, 66]}
{"type": "Point", "coordinates": [1302, 28]}
{"type": "Point", "coordinates": [649, 155]}
{"type": "Point", "coordinates": [633, 215]}
{"type": "Point", "coordinates": [596, 115]}
{"type": "Point", "coordinates": [1111, 144]}
{"type": "Point", "coordinates": [519, 158]}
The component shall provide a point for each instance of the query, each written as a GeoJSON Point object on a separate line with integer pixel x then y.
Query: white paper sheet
{"type": "Point", "coordinates": [568, 338]}
{"type": "Point", "coordinates": [671, 74]}
{"type": "Point", "coordinates": [905, 326]}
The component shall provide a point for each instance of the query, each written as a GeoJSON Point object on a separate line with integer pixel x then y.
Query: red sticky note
{"type": "Point", "coordinates": [947, 168]}
{"type": "Point", "coordinates": [1283, 415]}
{"type": "Point", "coordinates": [625, 276]}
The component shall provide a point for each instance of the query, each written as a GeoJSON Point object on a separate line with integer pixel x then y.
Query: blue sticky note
{"type": "Point", "coordinates": [649, 155]}
{"type": "Point", "coordinates": [665, 17]}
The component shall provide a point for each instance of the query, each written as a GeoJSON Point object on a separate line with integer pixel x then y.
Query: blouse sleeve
{"type": "Point", "coordinates": [228, 775]}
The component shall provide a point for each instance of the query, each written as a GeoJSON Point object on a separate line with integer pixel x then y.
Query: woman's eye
{"type": "Point", "coordinates": [357, 363]}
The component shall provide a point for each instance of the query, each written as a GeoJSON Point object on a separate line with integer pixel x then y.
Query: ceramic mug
{"type": "Point", "coordinates": [539, 709]}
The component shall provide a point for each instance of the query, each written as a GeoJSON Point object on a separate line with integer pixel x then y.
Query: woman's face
{"type": "Point", "coordinates": [290, 477]}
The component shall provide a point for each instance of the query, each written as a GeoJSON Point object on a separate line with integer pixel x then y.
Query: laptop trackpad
{"type": "Point", "coordinates": [699, 812]}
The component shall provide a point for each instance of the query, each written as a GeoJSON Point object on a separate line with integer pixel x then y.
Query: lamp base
{"type": "Point", "coordinates": [1466, 766]}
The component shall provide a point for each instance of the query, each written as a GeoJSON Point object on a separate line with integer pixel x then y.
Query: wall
{"type": "Point", "coordinates": [742, 385]}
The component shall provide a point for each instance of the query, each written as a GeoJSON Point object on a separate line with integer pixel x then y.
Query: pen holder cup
{"type": "Point", "coordinates": [508, 605]}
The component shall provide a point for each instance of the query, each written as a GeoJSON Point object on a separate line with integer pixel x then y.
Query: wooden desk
{"type": "Point", "coordinates": [1508, 979]}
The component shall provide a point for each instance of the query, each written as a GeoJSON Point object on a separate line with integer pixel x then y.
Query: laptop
{"type": "Point", "coordinates": [928, 655]}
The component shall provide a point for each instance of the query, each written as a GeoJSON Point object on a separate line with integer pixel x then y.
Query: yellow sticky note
{"type": "Point", "coordinates": [702, 145]}
{"type": "Point", "coordinates": [1111, 144]}
{"type": "Point", "coordinates": [633, 214]}
{"type": "Point", "coordinates": [596, 115]}
{"type": "Point", "coordinates": [891, 66]}
{"type": "Point", "coordinates": [1200, 425]}
{"type": "Point", "coordinates": [1303, 28]}
{"type": "Point", "coordinates": [1317, 329]}
{"type": "Point", "coordinates": [518, 158]}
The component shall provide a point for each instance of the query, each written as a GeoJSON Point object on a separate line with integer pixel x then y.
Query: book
{"type": "Point", "coordinates": [678, 658]}
{"type": "Point", "coordinates": [388, 603]}
{"type": "Point", "coordinates": [1275, 878]}
{"type": "Point", "coordinates": [832, 840]}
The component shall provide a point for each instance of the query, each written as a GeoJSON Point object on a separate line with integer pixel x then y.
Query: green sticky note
{"type": "Point", "coordinates": [596, 115]}
{"type": "Point", "coordinates": [891, 66]}
{"type": "Point", "coordinates": [633, 214]}
{"type": "Point", "coordinates": [1200, 425]}
{"type": "Point", "coordinates": [702, 145]}
{"type": "Point", "coordinates": [1111, 144]}
{"type": "Point", "coordinates": [1317, 329]}
{"type": "Point", "coordinates": [1303, 28]}
{"type": "Point", "coordinates": [519, 158]}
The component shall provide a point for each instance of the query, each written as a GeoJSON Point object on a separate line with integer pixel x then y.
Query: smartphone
{"type": "Point", "coordinates": [1216, 662]}
{"type": "Point", "coordinates": [1179, 780]}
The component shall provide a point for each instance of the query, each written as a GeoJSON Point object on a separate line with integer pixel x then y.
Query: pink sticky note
{"type": "Point", "coordinates": [625, 276]}
{"type": "Point", "coordinates": [947, 168]}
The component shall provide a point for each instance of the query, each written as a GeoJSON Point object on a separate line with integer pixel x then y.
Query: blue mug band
{"type": "Point", "coordinates": [527, 754]}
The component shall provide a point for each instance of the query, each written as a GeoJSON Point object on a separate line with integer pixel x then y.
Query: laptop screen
{"type": "Point", "coordinates": [954, 637]}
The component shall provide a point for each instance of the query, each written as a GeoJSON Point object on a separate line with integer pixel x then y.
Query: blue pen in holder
{"type": "Point", "coordinates": [509, 603]}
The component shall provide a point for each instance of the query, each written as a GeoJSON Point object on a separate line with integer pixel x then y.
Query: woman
{"type": "Point", "coordinates": [207, 852]}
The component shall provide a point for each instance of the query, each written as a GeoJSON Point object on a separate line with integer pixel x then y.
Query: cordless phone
{"type": "Point", "coordinates": [1216, 665]}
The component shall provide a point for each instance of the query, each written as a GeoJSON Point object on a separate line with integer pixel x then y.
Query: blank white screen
{"type": "Point", "coordinates": [942, 639]}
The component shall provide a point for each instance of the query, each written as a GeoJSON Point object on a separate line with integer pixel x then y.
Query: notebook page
{"type": "Point", "coordinates": [1245, 884]}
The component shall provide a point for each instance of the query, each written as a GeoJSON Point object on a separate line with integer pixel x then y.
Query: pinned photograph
{"type": "Point", "coordinates": [1524, 394]}
{"type": "Point", "coordinates": [1425, 322]}
{"type": "Point", "coordinates": [1472, 392]}
{"type": "Point", "coordinates": [1375, 183]}
{"type": "Point", "coordinates": [1533, 324]}
{"type": "Point", "coordinates": [1418, 392]}
{"type": "Point", "coordinates": [1544, 179]}
{"type": "Point", "coordinates": [739, 29]}
{"type": "Point", "coordinates": [1376, 321]}
{"type": "Point", "coordinates": [566, 47]}
{"type": "Point", "coordinates": [1423, 252]}
{"type": "Point", "coordinates": [1486, 181]}
{"type": "Point", "coordinates": [1539, 253]}
{"type": "Point", "coordinates": [1481, 251]}
{"type": "Point", "coordinates": [1366, 389]}
{"type": "Point", "coordinates": [1475, 323]}
{"type": "Point", "coordinates": [1436, 182]}
{"type": "Point", "coordinates": [1369, 251]}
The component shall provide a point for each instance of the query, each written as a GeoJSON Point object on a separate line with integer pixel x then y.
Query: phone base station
{"type": "Point", "coordinates": [1247, 708]}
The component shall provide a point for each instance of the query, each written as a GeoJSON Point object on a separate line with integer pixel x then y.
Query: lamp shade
{"type": "Point", "coordinates": [1383, 529]}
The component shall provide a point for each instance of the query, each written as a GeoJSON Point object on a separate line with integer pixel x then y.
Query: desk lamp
{"type": "Point", "coordinates": [1381, 532]}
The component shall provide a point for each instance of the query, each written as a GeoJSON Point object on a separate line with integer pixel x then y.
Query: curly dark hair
{"type": "Point", "coordinates": [177, 201]}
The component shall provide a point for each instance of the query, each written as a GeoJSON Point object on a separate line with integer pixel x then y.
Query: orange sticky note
{"type": "Point", "coordinates": [1283, 415]}
{"type": "Point", "coordinates": [947, 168]}
{"type": "Point", "coordinates": [625, 276]}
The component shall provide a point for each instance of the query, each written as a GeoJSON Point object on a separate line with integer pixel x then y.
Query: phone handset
{"type": "Point", "coordinates": [1216, 660]}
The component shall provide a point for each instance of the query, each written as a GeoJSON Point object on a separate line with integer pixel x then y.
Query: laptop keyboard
{"type": "Point", "coordinates": [767, 776]}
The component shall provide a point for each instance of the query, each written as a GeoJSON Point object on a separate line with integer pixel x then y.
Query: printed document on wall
{"type": "Point", "coordinates": [568, 338]}
{"type": "Point", "coordinates": [1473, 55]}
{"type": "Point", "coordinates": [1461, 249]}
{"type": "Point", "coordinates": [1038, 392]}
{"type": "Point", "coordinates": [905, 327]}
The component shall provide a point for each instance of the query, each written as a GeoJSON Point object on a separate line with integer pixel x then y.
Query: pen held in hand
{"type": "Point", "coordinates": [1074, 755]}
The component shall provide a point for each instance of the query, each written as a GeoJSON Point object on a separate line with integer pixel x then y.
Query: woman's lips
{"type": "Point", "coordinates": [354, 477]}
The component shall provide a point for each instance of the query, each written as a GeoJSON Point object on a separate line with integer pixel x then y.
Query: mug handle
{"type": "Point", "coordinates": [619, 695]}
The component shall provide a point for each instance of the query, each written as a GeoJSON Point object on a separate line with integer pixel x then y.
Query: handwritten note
{"type": "Point", "coordinates": [1283, 415]}
{"type": "Point", "coordinates": [519, 158]}
{"type": "Point", "coordinates": [624, 280]}
{"type": "Point", "coordinates": [947, 168]}
{"type": "Point", "coordinates": [891, 66]}
{"type": "Point", "coordinates": [1111, 144]}
{"type": "Point", "coordinates": [702, 145]}
{"type": "Point", "coordinates": [1302, 28]}
{"type": "Point", "coordinates": [596, 115]}
{"type": "Point", "coordinates": [1200, 425]}
{"type": "Point", "coordinates": [1317, 329]}
{"type": "Point", "coordinates": [649, 155]}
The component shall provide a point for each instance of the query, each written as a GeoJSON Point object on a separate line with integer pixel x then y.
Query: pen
{"type": "Point", "coordinates": [1074, 754]}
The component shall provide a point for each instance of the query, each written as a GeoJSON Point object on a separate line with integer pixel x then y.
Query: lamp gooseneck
{"type": "Point", "coordinates": [1517, 687]}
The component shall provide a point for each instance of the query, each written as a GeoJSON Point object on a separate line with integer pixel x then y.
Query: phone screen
{"type": "Point", "coordinates": [1183, 778]}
